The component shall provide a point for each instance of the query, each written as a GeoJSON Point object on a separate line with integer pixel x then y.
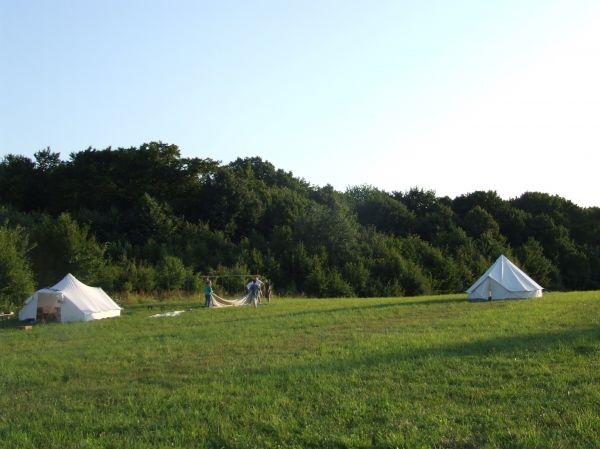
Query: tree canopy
{"type": "Point", "coordinates": [145, 218]}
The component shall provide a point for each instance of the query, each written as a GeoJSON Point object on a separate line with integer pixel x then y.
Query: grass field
{"type": "Point", "coordinates": [426, 372]}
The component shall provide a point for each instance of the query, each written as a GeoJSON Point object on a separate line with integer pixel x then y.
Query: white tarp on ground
{"type": "Point", "coordinates": [504, 280]}
{"type": "Point", "coordinates": [167, 314]}
{"type": "Point", "coordinates": [70, 300]}
{"type": "Point", "coordinates": [217, 301]}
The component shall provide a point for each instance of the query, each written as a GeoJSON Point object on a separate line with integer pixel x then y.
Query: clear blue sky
{"type": "Point", "coordinates": [453, 96]}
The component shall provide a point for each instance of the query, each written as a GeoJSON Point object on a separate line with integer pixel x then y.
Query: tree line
{"type": "Point", "coordinates": [145, 219]}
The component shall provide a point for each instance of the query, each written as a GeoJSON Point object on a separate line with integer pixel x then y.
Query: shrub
{"type": "Point", "coordinates": [171, 273]}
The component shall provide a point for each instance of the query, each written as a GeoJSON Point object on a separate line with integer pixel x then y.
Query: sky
{"type": "Point", "coordinates": [453, 96]}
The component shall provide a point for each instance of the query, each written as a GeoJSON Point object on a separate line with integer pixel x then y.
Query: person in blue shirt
{"type": "Point", "coordinates": [208, 290]}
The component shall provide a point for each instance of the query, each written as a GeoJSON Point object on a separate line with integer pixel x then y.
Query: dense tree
{"type": "Point", "coordinates": [378, 208]}
{"type": "Point", "coordinates": [488, 201]}
{"type": "Point", "coordinates": [538, 266]}
{"type": "Point", "coordinates": [418, 200]}
{"type": "Point", "coordinates": [16, 277]}
{"type": "Point", "coordinates": [171, 274]}
{"type": "Point", "coordinates": [231, 204]}
{"type": "Point", "coordinates": [17, 186]}
{"type": "Point", "coordinates": [63, 246]}
{"type": "Point", "coordinates": [478, 221]}
{"type": "Point", "coordinates": [329, 225]}
{"type": "Point", "coordinates": [150, 219]}
{"type": "Point", "coordinates": [145, 219]}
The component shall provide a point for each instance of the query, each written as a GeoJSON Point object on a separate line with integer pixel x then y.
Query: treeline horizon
{"type": "Point", "coordinates": [146, 220]}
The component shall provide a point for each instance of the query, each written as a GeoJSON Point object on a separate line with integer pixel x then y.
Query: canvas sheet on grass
{"type": "Point", "coordinates": [217, 301]}
{"type": "Point", "coordinates": [167, 314]}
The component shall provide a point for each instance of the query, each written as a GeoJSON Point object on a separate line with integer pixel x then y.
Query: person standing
{"type": "Point", "coordinates": [269, 287]}
{"type": "Point", "coordinates": [208, 291]}
{"type": "Point", "coordinates": [254, 289]}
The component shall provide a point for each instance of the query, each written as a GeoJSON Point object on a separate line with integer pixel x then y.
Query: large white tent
{"type": "Point", "coordinates": [69, 300]}
{"type": "Point", "coordinates": [504, 280]}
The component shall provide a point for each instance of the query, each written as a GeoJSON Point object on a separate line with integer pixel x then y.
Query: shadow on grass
{"type": "Point", "coordinates": [327, 311]}
{"type": "Point", "coordinates": [582, 342]}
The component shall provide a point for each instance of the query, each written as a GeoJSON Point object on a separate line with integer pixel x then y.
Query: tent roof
{"type": "Point", "coordinates": [86, 298]}
{"type": "Point", "coordinates": [509, 276]}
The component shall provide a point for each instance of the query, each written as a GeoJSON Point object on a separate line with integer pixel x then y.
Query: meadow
{"type": "Point", "coordinates": [415, 372]}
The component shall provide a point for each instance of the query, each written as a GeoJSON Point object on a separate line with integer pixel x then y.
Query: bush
{"type": "Point", "coordinates": [413, 281]}
{"type": "Point", "coordinates": [337, 286]}
{"type": "Point", "coordinates": [144, 279]}
{"type": "Point", "coordinates": [316, 282]}
{"type": "Point", "coordinates": [191, 282]}
{"type": "Point", "coordinates": [171, 274]}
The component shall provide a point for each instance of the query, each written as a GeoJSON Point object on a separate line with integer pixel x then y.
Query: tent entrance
{"type": "Point", "coordinates": [48, 306]}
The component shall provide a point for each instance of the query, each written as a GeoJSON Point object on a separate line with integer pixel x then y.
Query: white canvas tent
{"type": "Point", "coordinates": [70, 300]}
{"type": "Point", "coordinates": [504, 280]}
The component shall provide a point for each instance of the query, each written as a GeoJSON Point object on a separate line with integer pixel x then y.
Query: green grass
{"type": "Point", "coordinates": [427, 372]}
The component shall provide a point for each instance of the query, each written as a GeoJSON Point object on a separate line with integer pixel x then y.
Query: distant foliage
{"type": "Point", "coordinates": [64, 246]}
{"type": "Point", "coordinates": [16, 277]}
{"type": "Point", "coordinates": [146, 220]}
{"type": "Point", "coordinates": [171, 274]}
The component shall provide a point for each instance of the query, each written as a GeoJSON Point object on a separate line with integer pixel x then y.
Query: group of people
{"type": "Point", "coordinates": [254, 289]}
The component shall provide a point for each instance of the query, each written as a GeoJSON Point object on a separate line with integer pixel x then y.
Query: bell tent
{"type": "Point", "coordinates": [504, 280]}
{"type": "Point", "coordinates": [69, 300]}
